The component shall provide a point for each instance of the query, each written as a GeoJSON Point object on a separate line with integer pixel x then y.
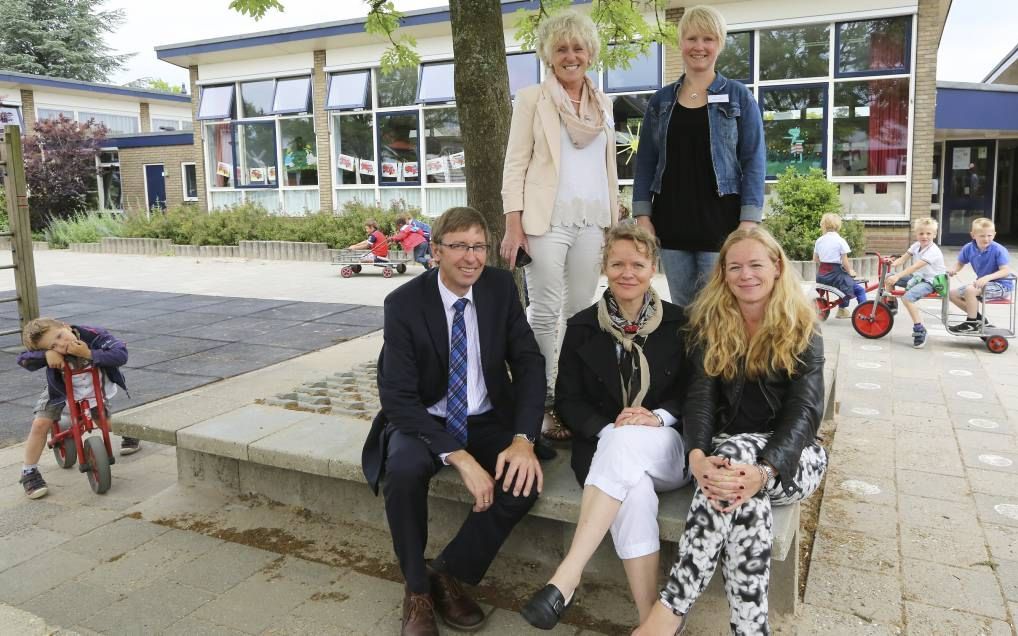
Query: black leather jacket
{"type": "Point", "coordinates": [797, 406]}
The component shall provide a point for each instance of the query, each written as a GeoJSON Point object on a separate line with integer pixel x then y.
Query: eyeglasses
{"type": "Point", "coordinates": [481, 249]}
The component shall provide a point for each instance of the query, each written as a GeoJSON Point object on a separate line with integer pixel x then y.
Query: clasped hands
{"type": "Point", "coordinates": [55, 358]}
{"type": "Point", "coordinates": [724, 482]}
{"type": "Point", "coordinates": [636, 416]}
{"type": "Point", "coordinates": [517, 466]}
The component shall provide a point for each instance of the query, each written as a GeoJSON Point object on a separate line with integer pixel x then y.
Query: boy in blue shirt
{"type": "Point", "coordinates": [989, 259]}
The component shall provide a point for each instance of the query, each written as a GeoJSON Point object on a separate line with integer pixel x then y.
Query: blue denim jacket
{"type": "Point", "coordinates": [736, 140]}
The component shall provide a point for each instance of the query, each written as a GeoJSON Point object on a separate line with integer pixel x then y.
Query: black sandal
{"type": "Point", "coordinates": [545, 608]}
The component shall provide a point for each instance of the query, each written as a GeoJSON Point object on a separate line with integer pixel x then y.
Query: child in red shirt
{"type": "Point", "coordinates": [413, 241]}
{"type": "Point", "coordinates": [376, 242]}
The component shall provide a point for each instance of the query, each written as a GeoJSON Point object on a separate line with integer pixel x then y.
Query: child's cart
{"type": "Point", "coordinates": [353, 262]}
{"type": "Point", "coordinates": [875, 318]}
{"type": "Point", "coordinates": [68, 441]}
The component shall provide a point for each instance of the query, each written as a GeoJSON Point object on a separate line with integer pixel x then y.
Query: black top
{"type": "Point", "coordinates": [688, 214]}
{"type": "Point", "coordinates": [754, 413]}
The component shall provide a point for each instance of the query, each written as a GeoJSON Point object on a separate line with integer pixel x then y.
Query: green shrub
{"type": "Point", "coordinates": [5, 223]}
{"type": "Point", "coordinates": [83, 227]}
{"type": "Point", "coordinates": [799, 202]}
{"type": "Point", "coordinates": [187, 225]}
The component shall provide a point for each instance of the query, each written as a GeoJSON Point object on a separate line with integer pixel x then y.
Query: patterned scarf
{"type": "Point", "coordinates": [634, 371]}
{"type": "Point", "coordinates": [585, 127]}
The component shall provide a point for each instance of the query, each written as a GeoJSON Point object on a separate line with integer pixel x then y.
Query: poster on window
{"type": "Point", "coordinates": [348, 163]}
{"type": "Point", "coordinates": [256, 175]}
{"type": "Point", "coordinates": [223, 169]}
{"type": "Point", "coordinates": [367, 167]}
{"type": "Point", "coordinates": [438, 165]}
{"type": "Point", "coordinates": [411, 170]}
{"type": "Point", "coordinates": [961, 159]}
{"type": "Point", "coordinates": [457, 161]}
{"type": "Point", "coordinates": [271, 172]}
{"type": "Point", "coordinates": [390, 169]}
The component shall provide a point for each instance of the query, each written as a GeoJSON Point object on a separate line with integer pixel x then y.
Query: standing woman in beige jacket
{"type": "Point", "coordinates": [560, 185]}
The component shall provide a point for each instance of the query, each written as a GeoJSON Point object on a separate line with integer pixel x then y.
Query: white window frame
{"type": "Point", "coordinates": [183, 179]}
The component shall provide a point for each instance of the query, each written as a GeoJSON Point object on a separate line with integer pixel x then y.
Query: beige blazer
{"type": "Point", "coordinates": [530, 175]}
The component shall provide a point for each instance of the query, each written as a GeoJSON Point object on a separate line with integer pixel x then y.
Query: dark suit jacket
{"type": "Point", "coordinates": [588, 392]}
{"type": "Point", "coordinates": [413, 367]}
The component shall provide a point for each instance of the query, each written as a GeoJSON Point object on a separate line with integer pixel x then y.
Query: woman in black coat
{"type": "Point", "coordinates": [619, 389]}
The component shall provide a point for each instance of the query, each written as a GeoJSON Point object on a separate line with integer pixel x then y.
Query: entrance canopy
{"type": "Point", "coordinates": [984, 109]}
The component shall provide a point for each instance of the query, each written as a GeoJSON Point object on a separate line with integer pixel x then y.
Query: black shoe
{"type": "Point", "coordinates": [543, 450]}
{"type": "Point", "coordinates": [35, 485]}
{"type": "Point", "coordinates": [545, 607]}
{"type": "Point", "coordinates": [969, 326]}
{"type": "Point", "coordinates": [129, 446]}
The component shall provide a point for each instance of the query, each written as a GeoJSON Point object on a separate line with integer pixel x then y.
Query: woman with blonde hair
{"type": "Point", "coordinates": [560, 184]}
{"type": "Point", "coordinates": [700, 165]}
{"type": "Point", "coordinates": [621, 376]}
{"type": "Point", "coordinates": [752, 411]}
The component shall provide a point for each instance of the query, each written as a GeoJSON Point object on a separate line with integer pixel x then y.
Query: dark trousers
{"type": "Point", "coordinates": [409, 467]}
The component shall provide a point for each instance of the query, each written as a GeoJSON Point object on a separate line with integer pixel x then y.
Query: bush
{"type": "Point", "coordinates": [187, 225]}
{"type": "Point", "coordinates": [800, 201]}
{"type": "Point", "coordinates": [83, 227]}
{"type": "Point", "coordinates": [5, 224]}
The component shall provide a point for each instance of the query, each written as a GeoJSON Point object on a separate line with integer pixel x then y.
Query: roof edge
{"type": "Point", "coordinates": [16, 77]}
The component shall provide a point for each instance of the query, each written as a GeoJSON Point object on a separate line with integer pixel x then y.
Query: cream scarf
{"type": "Point", "coordinates": [589, 123]}
{"type": "Point", "coordinates": [625, 333]}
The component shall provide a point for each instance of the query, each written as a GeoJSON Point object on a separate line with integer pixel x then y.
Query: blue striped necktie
{"type": "Point", "coordinates": [456, 401]}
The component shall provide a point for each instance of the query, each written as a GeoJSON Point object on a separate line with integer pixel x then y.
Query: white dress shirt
{"type": "Point", "coordinates": [477, 392]}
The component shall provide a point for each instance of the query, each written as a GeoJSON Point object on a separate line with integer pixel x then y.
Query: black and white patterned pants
{"type": "Point", "coordinates": [740, 540]}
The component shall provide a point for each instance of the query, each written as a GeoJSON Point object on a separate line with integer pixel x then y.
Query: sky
{"type": "Point", "coordinates": [978, 34]}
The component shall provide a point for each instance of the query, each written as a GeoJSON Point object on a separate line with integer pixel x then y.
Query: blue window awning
{"type": "Point", "coordinates": [977, 107]}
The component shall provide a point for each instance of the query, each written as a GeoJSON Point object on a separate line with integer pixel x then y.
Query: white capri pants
{"type": "Point", "coordinates": [561, 281]}
{"type": "Point", "coordinates": [632, 464]}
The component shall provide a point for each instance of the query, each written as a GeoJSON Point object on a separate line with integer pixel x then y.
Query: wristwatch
{"type": "Point", "coordinates": [529, 438]}
{"type": "Point", "coordinates": [660, 420]}
{"type": "Point", "coordinates": [768, 470]}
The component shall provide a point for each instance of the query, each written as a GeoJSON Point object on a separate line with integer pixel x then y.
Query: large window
{"type": "Point", "coordinates": [736, 59]}
{"type": "Point", "coordinates": [11, 116]}
{"type": "Point", "coordinates": [300, 160]}
{"type": "Point", "coordinates": [628, 113]}
{"type": "Point", "coordinates": [256, 98]}
{"type": "Point", "coordinates": [871, 127]}
{"type": "Point", "coordinates": [436, 83]}
{"type": "Point", "coordinates": [355, 149]}
{"type": "Point", "coordinates": [796, 52]}
{"type": "Point", "coordinates": [443, 146]}
{"type": "Point", "coordinates": [109, 192]}
{"type": "Point", "coordinates": [113, 123]}
{"type": "Point", "coordinates": [398, 88]}
{"type": "Point", "coordinates": [644, 73]}
{"type": "Point", "coordinates": [216, 102]}
{"type": "Point", "coordinates": [870, 47]}
{"type": "Point", "coordinates": [793, 121]}
{"type": "Point", "coordinates": [398, 159]}
{"type": "Point", "coordinates": [349, 91]}
{"type": "Point", "coordinates": [524, 70]}
{"type": "Point", "coordinates": [189, 180]}
{"type": "Point", "coordinates": [256, 154]}
{"type": "Point", "coordinates": [219, 141]}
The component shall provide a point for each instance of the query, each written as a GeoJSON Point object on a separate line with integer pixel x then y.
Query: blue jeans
{"type": "Point", "coordinates": [687, 273]}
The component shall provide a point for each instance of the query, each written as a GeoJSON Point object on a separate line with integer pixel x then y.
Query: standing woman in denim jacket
{"type": "Point", "coordinates": [700, 164]}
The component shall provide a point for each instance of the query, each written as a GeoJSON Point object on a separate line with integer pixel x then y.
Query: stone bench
{"type": "Point", "coordinates": [312, 461]}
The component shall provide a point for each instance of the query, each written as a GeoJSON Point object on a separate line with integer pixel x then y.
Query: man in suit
{"type": "Point", "coordinates": [447, 400]}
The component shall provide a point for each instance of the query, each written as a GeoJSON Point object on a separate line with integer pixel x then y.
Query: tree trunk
{"type": "Point", "coordinates": [485, 109]}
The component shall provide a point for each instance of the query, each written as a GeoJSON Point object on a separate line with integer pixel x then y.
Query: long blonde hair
{"type": "Point", "coordinates": [717, 327]}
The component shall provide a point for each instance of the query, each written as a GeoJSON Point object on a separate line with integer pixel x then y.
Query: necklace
{"type": "Point", "coordinates": [575, 101]}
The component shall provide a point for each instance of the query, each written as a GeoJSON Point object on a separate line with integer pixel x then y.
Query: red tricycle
{"type": "Point", "coordinates": [68, 441]}
{"type": "Point", "coordinates": [875, 317]}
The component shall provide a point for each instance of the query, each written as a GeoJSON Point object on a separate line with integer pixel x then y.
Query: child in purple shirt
{"type": "Point", "coordinates": [990, 261]}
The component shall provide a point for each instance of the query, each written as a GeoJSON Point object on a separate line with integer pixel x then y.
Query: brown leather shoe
{"type": "Point", "coordinates": [453, 604]}
{"type": "Point", "coordinates": [418, 615]}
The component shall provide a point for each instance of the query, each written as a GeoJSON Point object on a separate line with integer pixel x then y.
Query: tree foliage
{"type": "Point", "coordinates": [60, 167]}
{"type": "Point", "coordinates": [155, 84]}
{"type": "Point", "coordinates": [62, 38]}
{"type": "Point", "coordinates": [799, 202]}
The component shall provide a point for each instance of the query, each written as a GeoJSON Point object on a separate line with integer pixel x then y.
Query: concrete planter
{"type": "Point", "coordinates": [265, 250]}
{"type": "Point", "coordinates": [864, 266]}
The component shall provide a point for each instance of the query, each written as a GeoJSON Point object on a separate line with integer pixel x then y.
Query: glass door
{"type": "Point", "coordinates": [968, 188]}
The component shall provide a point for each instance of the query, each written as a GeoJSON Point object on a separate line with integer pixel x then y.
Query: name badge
{"type": "Point", "coordinates": [717, 99]}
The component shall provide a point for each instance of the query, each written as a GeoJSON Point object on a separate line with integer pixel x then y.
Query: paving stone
{"type": "Point", "coordinates": [162, 348]}
{"type": "Point", "coordinates": [133, 569]}
{"type": "Point", "coordinates": [241, 306]}
{"type": "Point", "coordinates": [853, 464]}
{"type": "Point", "coordinates": [914, 482]}
{"type": "Point", "coordinates": [937, 455]}
{"type": "Point", "coordinates": [78, 520]}
{"type": "Point", "coordinates": [855, 549]}
{"type": "Point", "coordinates": [870, 519]}
{"type": "Point", "coordinates": [16, 382]}
{"type": "Point", "coordinates": [991, 460]}
{"type": "Point", "coordinates": [368, 601]}
{"type": "Point", "coordinates": [937, 513]}
{"type": "Point", "coordinates": [160, 423]}
{"type": "Point", "coordinates": [927, 425]}
{"type": "Point", "coordinates": [868, 595]}
{"type": "Point", "coordinates": [812, 620]}
{"type": "Point", "coordinates": [189, 626]}
{"type": "Point", "coordinates": [1003, 541]}
{"type": "Point", "coordinates": [991, 482]}
{"type": "Point", "coordinates": [40, 573]}
{"type": "Point", "coordinates": [865, 427]}
{"type": "Point", "coordinates": [26, 543]}
{"type": "Point", "coordinates": [987, 441]}
{"type": "Point", "coordinates": [253, 605]}
{"type": "Point", "coordinates": [187, 302]}
{"type": "Point", "coordinates": [970, 590]}
{"type": "Point", "coordinates": [943, 545]}
{"type": "Point", "coordinates": [149, 610]}
{"type": "Point", "coordinates": [924, 620]}
{"type": "Point", "coordinates": [997, 510]}
{"type": "Point", "coordinates": [1007, 574]}
{"type": "Point", "coordinates": [862, 488]}
{"type": "Point", "coordinates": [222, 568]}
{"type": "Point", "coordinates": [318, 335]}
{"type": "Point", "coordinates": [230, 434]}
{"type": "Point", "coordinates": [305, 312]}
{"type": "Point", "coordinates": [304, 626]}
{"type": "Point", "coordinates": [71, 602]}
{"type": "Point", "coordinates": [363, 316]}
{"type": "Point", "coordinates": [148, 385]}
{"type": "Point", "coordinates": [229, 360]}
{"type": "Point", "coordinates": [115, 538]}
{"type": "Point", "coordinates": [26, 513]}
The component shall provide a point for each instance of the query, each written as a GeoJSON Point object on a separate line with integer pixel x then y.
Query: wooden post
{"type": "Point", "coordinates": [12, 164]}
